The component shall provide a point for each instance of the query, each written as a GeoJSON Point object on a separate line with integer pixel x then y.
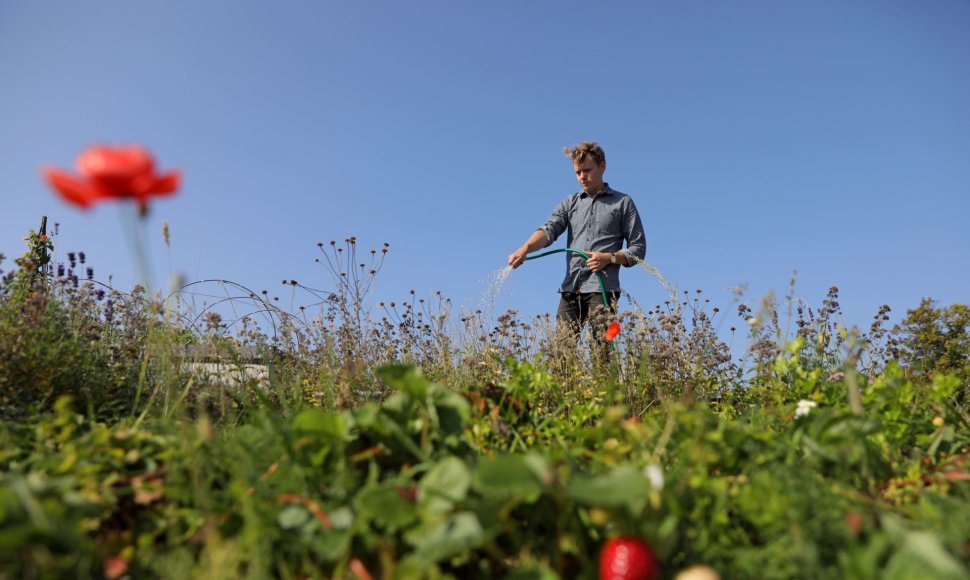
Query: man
{"type": "Point", "coordinates": [596, 220]}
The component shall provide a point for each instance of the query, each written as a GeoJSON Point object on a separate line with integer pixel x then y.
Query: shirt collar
{"type": "Point", "coordinates": [606, 190]}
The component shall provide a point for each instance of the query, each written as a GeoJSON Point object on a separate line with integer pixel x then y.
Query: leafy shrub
{"type": "Point", "coordinates": [933, 339]}
{"type": "Point", "coordinates": [51, 342]}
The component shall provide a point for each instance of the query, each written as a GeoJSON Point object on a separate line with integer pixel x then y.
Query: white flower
{"type": "Point", "coordinates": [804, 408]}
{"type": "Point", "coordinates": [654, 475]}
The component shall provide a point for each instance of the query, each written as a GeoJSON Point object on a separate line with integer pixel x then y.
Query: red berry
{"type": "Point", "coordinates": [628, 558]}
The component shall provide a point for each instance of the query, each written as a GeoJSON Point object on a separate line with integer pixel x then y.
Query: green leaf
{"type": "Point", "coordinates": [342, 518]}
{"type": "Point", "coordinates": [456, 534]}
{"type": "Point", "coordinates": [366, 415]}
{"type": "Point", "coordinates": [919, 554]}
{"type": "Point", "coordinates": [453, 411]}
{"type": "Point", "coordinates": [333, 545]}
{"type": "Point", "coordinates": [322, 423]}
{"type": "Point", "coordinates": [405, 378]}
{"type": "Point", "coordinates": [623, 485]}
{"type": "Point", "coordinates": [507, 476]}
{"type": "Point", "coordinates": [444, 485]}
{"type": "Point", "coordinates": [387, 507]}
{"type": "Point", "coordinates": [412, 568]}
{"type": "Point", "coordinates": [292, 517]}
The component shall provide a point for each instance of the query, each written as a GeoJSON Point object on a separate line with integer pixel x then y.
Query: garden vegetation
{"type": "Point", "coordinates": [407, 440]}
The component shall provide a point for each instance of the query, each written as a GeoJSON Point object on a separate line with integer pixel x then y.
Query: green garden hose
{"type": "Point", "coordinates": [599, 276]}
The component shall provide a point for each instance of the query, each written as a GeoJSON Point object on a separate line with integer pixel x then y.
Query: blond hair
{"type": "Point", "coordinates": [586, 150]}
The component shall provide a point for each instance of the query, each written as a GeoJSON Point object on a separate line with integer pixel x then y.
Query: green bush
{"type": "Point", "coordinates": [51, 343]}
{"type": "Point", "coordinates": [934, 339]}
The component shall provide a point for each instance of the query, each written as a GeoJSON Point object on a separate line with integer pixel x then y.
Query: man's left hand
{"type": "Point", "coordinates": [598, 261]}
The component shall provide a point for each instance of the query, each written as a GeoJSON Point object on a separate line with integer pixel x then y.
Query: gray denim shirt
{"type": "Point", "coordinates": [597, 223]}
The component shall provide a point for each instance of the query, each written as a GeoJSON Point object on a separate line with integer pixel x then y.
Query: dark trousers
{"type": "Point", "coordinates": [575, 308]}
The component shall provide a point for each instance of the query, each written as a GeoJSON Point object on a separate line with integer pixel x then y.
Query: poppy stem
{"type": "Point", "coordinates": [135, 227]}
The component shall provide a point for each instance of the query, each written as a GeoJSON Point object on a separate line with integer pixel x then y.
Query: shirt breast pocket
{"type": "Point", "coordinates": [611, 223]}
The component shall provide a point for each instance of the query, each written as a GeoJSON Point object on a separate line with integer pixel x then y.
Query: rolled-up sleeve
{"type": "Point", "coordinates": [558, 221]}
{"type": "Point", "coordinates": [636, 241]}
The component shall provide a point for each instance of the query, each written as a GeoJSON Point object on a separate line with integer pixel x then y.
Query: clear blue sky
{"type": "Point", "coordinates": [760, 137]}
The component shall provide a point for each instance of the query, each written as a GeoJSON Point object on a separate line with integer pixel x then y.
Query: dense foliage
{"type": "Point", "coordinates": [392, 446]}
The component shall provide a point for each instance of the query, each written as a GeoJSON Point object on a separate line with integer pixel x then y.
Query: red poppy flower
{"type": "Point", "coordinates": [613, 331]}
{"type": "Point", "coordinates": [113, 173]}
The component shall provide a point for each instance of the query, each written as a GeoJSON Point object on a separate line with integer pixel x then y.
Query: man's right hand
{"type": "Point", "coordinates": [518, 257]}
{"type": "Point", "coordinates": [535, 242]}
